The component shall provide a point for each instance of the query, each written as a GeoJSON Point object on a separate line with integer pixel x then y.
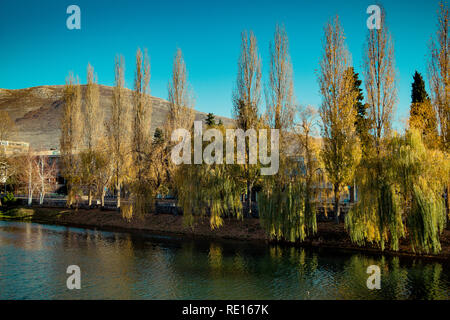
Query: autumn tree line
{"type": "Point", "coordinates": [402, 178]}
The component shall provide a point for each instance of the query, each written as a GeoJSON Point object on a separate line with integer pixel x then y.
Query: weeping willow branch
{"type": "Point", "coordinates": [406, 200]}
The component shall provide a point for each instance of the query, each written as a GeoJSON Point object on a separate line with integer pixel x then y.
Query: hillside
{"type": "Point", "coordinates": [37, 112]}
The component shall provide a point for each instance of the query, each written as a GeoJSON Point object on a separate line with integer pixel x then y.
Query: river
{"type": "Point", "coordinates": [115, 265]}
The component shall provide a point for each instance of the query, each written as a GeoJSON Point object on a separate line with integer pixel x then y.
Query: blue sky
{"type": "Point", "coordinates": [38, 49]}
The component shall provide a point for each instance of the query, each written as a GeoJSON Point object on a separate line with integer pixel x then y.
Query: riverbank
{"type": "Point", "coordinates": [329, 234]}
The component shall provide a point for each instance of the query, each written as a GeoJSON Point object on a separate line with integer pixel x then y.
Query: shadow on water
{"type": "Point", "coordinates": [34, 259]}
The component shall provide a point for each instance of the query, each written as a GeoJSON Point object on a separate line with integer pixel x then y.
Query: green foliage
{"type": "Point", "coordinates": [427, 218]}
{"type": "Point", "coordinates": [209, 190]}
{"type": "Point", "coordinates": [418, 92]}
{"type": "Point", "coordinates": [158, 136]}
{"type": "Point", "coordinates": [94, 164]}
{"type": "Point", "coordinates": [376, 217]}
{"type": "Point", "coordinates": [362, 123]}
{"type": "Point", "coordinates": [142, 200]}
{"type": "Point", "coordinates": [421, 176]}
{"type": "Point", "coordinates": [287, 213]}
{"type": "Point", "coordinates": [210, 120]}
{"type": "Point", "coordinates": [9, 199]}
{"type": "Point", "coordinates": [401, 193]}
{"type": "Point", "coordinates": [286, 208]}
{"type": "Point", "coordinates": [423, 118]}
{"type": "Point", "coordinates": [422, 114]}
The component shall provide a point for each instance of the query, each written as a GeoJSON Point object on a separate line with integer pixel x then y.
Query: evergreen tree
{"type": "Point", "coordinates": [210, 120]}
{"type": "Point", "coordinates": [422, 114]}
{"type": "Point", "coordinates": [158, 136]}
{"type": "Point", "coordinates": [418, 92]}
{"type": "Point", "coordinates": [362, 123]}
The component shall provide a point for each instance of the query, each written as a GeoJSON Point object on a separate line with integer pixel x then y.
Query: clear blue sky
{"type": "Point", "coordinates": [37, 48]}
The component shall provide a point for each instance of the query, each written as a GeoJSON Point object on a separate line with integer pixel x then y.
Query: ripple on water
{"type": "Point", "coordinates": [34, 259]}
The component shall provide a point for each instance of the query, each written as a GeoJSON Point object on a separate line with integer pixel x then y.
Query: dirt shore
{"type": "Point", "coordinates": [329, 235]}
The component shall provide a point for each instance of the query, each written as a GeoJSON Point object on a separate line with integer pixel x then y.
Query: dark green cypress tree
{"type": "Point", "coordinates": [418, 92]}
{"type": "Point", "coordinates": [362, 122]}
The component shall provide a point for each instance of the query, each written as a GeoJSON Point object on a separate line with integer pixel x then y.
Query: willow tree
{"type": "Point", "coordinates": [415, 177]}
{"type": "Point", "coordinates": [287, 205]}
{"type": "Point", "coordinates": [119, 128]}
{"type": "Point", "coordinates": [71, 129]}
{"type": "Point", "coordinates": [284, 205]}
{"type": "Point", "coordinates": [141, 115]}
{"type": "Point", "coordinates": [306, 126]}
{"type": "Point", "coordinates": [377, 216]}
{"type": "Point", "coordinates": [209, 189]}
{"type": "Point", "coordinates": [246, 101]}
{"type": "Point", "coordinates": [420, 175]}
{"type": "Point", "coordinates": [341, 151]}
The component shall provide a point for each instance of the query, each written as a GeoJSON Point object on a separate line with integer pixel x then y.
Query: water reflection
{"type": "Point", "coordinates": [34, 258]}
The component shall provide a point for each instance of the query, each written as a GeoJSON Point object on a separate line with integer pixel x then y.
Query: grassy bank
{"type": "Point", "coordinates": [329, 234]}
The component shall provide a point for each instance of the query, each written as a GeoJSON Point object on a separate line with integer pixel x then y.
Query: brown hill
{"type": "Point", "coordinates": [37, 112]}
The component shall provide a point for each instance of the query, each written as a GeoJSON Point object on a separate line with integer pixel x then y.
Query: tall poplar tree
{"type": "Point", "coordinates": [71, 129]}
{"type": "Point", "coordinates": [141, 120]}
{"type": "Point", "coordinates": [93, 131]}
{"type": "Point", "coordinates": [119, 128]}
{"type": "Point", "coordinates": [246, 101]}
{"type": "Point", "coordinates": [181, 107]}
{"type": "Point", "coordinates": [439, 75]}
{"type": "Point", "coordinates": [341, 150]}
{"type": "Point", "coordinates": [377, 215]}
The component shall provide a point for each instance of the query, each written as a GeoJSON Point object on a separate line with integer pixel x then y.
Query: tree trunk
{"type": "Point", "coordinates": [336, 203]}
{"type": "Point", "coordinates": [118, 195]}
{"type": "Point", "coordinates": [30, 193]}
{"type": "Point", "coordinates": [352, 194]}
{"type": "Point", "coordinates": [249, 199]}
{"type": "Point", "coordinates": [103, 198]}
{"type": "Point", "coordinates": [41, 194]}
{"type": "Point", "coordinates": [90, 197]}
{"type": "Point", "coordinates": [448, 204]}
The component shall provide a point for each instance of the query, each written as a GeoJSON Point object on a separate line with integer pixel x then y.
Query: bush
{"type": "Point", "coordinates": [9, 200]}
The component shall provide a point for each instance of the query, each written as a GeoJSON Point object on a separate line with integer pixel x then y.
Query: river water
{"type": "Point", "coordinates": [34, 260]}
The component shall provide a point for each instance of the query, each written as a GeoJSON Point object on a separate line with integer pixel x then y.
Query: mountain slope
{"type": "Point", "coordinates": [37, 112]}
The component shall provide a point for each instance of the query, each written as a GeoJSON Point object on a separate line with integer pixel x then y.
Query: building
{"type": "Point", "coordinates": [11, 147]}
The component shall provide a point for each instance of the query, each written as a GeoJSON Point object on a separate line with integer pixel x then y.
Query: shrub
{"type": "Point", "coordinates": [9, 200]}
